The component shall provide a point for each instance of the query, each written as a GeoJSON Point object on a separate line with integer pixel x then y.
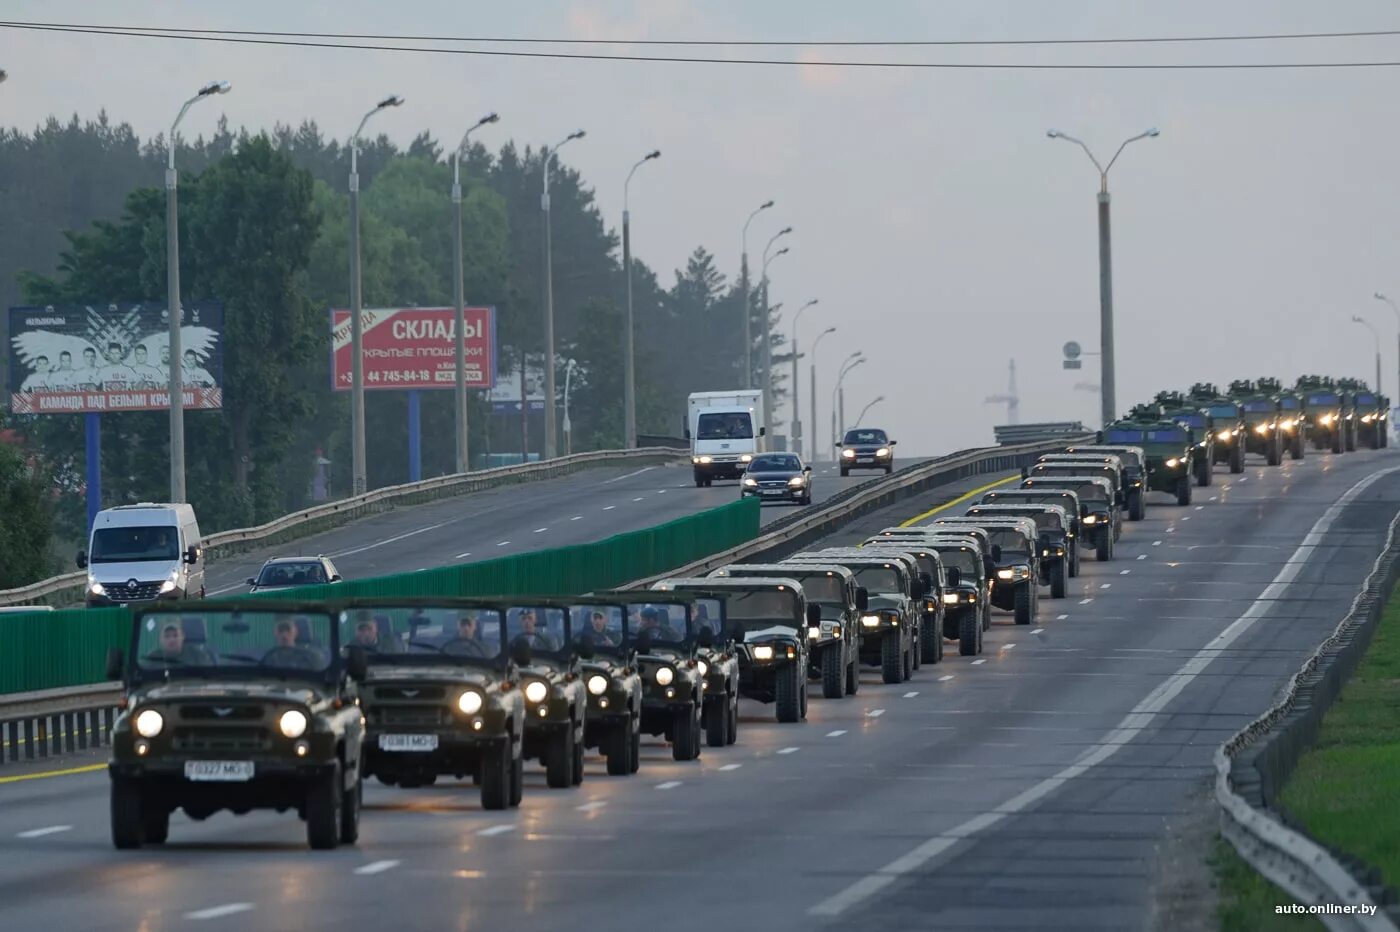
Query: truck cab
{"type": "Point", "coordinates": [726, 431]}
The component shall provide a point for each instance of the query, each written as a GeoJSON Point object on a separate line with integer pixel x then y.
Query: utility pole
{"type": "Point", "coordinates": [1010, 399]}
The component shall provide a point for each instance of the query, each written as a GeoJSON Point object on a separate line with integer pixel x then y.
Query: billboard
{"type": "Point", "coordinates": [85, 359]}
{"type": "Point", "coordinates": [505, 394]}
{"type": "Point", "coordinates": [415, 348]}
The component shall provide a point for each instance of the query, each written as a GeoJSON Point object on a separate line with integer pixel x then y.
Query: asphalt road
{"type": "Point", "coordinates": [1028, 790]}
{"type": "Point", "coordinates": [584, 507]}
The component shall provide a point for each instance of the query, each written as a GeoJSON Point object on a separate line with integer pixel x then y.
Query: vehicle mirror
{"type": "Point", "coordinates": [925, 583]}
{"type": "Point", "coordinates": [892, 443]}
{"type": "Point", "coordinates": [737, 634]}
{"type": "Point", "coordinates": [520, 651]}
{"type": "Point", "coordinates": [252, 581]}
{"type": "Point", "coordinates": [862, 598]}
{"type": "Point", "coordinates": [115, 663]}
{"type": "Point", "coordinates": [1025, 472]}
{"type": "Point", "coordinates": [336, 578]}
{"type": "Point", "coordinates": [81, 559]}
{"type": "Point", "coordinates": [763, 431]}
{"type": "Point", "coordinates": [356, 663]}
{"type": "Point", "coordinates": [814, 615]}
{"type": "Point", "coordinates": [706, 637]}
{"type": "Point", "coordinates": [643, 640]}
{"type": "Point", "coordinates": [837, 444]}
{"type": "Point", "coordinates": [192, 555]}
{"type": "Point", "coordinates": [954, 576]}
{"type": "Point", "coordinates": [996, 552]}
{"type": "Point", "coordinates": [585, 647]}
{"type": "Point", "coordinates": [806, 468]}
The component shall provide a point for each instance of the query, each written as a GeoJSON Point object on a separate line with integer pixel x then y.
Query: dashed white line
{"type": "Point", "coordinates": [496, 830]}
{"type": "Point", "coordinates": [660, 491]}
{"type": "Point", "coordinates": [1242, 479]}
{"type": "Point", "coordinates": [609, 507]}
{"type": "Point", "coordinates": [1171, 530]}
{"type": "Point", "coordinates": [945, 678]}
{"type": "Point", "coordinates": [1142, 556]}
{"type": "Point", "coordinates": [1086, 601]}
{"type": "Point", "coordinates": [1124, 572]}
{"type": "Point", "coordinates": [462, 556]}
{"type": "Point", "coordinates": [788, 750]}
{"type": "Point", "coordinates": [576, 518]}
{"type": "Point", "coordinates": [503, 543]}
{"type": "Point", "coordinates": [1057, 618]}
{"type": "Point", "coordinates": [731, 766]}
{"type": "Point", "coordinates": [1107, 585]}
{"type": "Point", "coordinates": [390, 540]}
{"type": "Point", "coordinates": [46, 830]}
{"type": "Point", "coordinates": [593, 806]}
{"type": "Point", "coordinates": [874, 713]}
{"type": "Point", "coordinates": [637, 499]}
{"type": "Point", "coordinates": [979, 660]}
{"type": "Point", "coordinates": [1038, 630]}
{"type": "Point", "coordinates": [1156, 543]}
{"type": "Point", "coordinates": [1186, 517]}
{"type": "Point", "coordinates": [910, 695]}
{"type": "Point", "coordinates": [218, 912]}
{"type": "Point", "coordinates": [836, 734]}
{"type": "Point", "coordinates": [377, 867]}
{"type": "Point", "coordinates": [668, 785]}
{"type": "Point", "coordinates": [1009, 646]}
{"type": "Point", "coordinates": [1202, 507]}
{"type": "Point", "coordinates": [541, 530]}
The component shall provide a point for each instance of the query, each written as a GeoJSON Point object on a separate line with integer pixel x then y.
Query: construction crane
{"type": "Point", "coordinates": [1010, 399]}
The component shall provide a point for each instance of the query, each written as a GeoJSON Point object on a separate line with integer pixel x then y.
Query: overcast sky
{"type": "Point", "coordinates": [943, 233]}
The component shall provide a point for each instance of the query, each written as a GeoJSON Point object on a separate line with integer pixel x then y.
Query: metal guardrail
{"type": "Point", "coordinates": [1011, 434]}
{"type": "Point", "coordinates": [1252, 767]}
{"type": "Point", "coordinates": [68, 587]}
{"type": "Point", "coordinates": [57, 721]}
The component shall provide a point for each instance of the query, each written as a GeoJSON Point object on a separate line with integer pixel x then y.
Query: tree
{"type": "Point", "coordinates": [26, 501]}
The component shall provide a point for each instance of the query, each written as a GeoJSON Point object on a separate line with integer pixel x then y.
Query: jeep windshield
{"type": "Point", "coordinates": [1290, 404]}
{"type": "Point", "coordinates": [966, 562]}
{"type": "Point", "coordinates": [760, 610]}
{"type": "Point", "coordinates": [193, 643]}
{"type": "Point", "coordinates": [879, 580]}
{"type": "Point", "coordinates": [825, 589]}
{"type": "Point", "coordinates": [1260, 406]}
{"type": "Point", "coordinates": [1013, 544]}
{"type": "Point", "coordinates": [1323, 398]}
{"type": "Point", "coordinates": [1225, 411]}
{"type": "Point", "coordinates": [1365, 398]}
{"type": "Point", "coordinates": [135, 544]}
{"type": "Point", "coordinates": [425, 635]}
{"type": "Point", "coordinates": [545, 628]}
{"type": "Point", "coordinates": [604, 625]}
{"type": "Point", "coordinates": [732, 426]}
{"type": "Point", "coordinates": [667, 622]}
{"type": "Point", "coordinates": [1044, 520]}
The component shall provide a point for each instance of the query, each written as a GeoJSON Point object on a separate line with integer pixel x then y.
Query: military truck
{"type": "Point", "coordinates": [1227, 420]}
{"type": "Point", "coordinates": [1370, 410]}
{"type": "Point", "coordinates": [889, 626]}
{"type": "Point", "coordinates": [1327, 408]}
{"type": "Point", "coordinates": [967, 600]}
{"type": "Point", "coordinates": [1064, 498]}
{"type": "Point", "coordinates": [932, 580]}
{"type": "Point", "coordinates": [1261, 420]}
{"type": "Point", "coordinates": [1134, 463]}
{"type": "Point", "coordinates": [1292, 415]}
{"type": "Point", "coordinates": [1178, 407]}
{"type": "Point", "coordinates": [1052, 526]}
{"type": "Point", "coordinates": [1170, 449]}
{"type": "Point", "coordinates": [1098, 512]}
{"type": "Point", "coordinates": [238, 706]}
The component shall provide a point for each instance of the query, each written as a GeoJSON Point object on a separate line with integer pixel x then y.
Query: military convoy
{"type": "Point", "coordinates": [1226, 420]}
{"type": "Point", "coordinates": [1170, 449]}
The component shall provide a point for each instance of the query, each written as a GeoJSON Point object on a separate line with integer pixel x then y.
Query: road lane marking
{"type": "Point", "coordinates": [788, 750]}
{"type": "Point", "coordinates": [593, 806]}
{"type": "Point", "coordinates": [1142, 556]}
{"type": "Point", "coordinates": [609, 507]}
{"type": "Point", "coordinates": [576, 518]}
{"type": "Point", "coordinates": [979, 661]}
{"type": "Point", "coordinates": [1171, 530]}
{"type": "Point", "coordinates": [496, 830]}
{"type": "Point", "coordinates": [1121, 573]}
{"type": "Point", "coordinates": [910, 695]}
{"type": "Point", "coordinates": [637, 499]}
{"type": "Point", "coordinates": [503, 543]}
{"type": "Point", "coordinates": [1133, 724]}
{"type": "Point", "coordinates": [628, 476]}
{"type": "Point", "coordinates": [1057, 618]}
{"type": "Point", "coordinates": [1038, 630]}
{"type": "Point", "coordinates": [1186, 517]}
{"type": "Point", "coordinates": [218, 912]}
{"type": "Point", "coordinates": [1242, 479]}
{"type": "Point", "coordinates": [1086, 601]}
{"type": "Point", "coordinates": [874, 713]}
{"type": "Point", "coordinates": [836, 734]}
{"type": "Point", "coordinates": [731, 766]}
{"type": "Point", "coordinates": [1202, 507]}
{"type": "Point", "coordinates": [88, 768]}
{"type": "Point", "coordinates": [668, 785]}
{"type": "Point", "coordinates": [46, 830]}
{"type": "Point", "coordinates": [541, 530]}
{"type": "Point", "coordinates": [377, 867]}
{"type": "Point", "coordinates": [945, 678]}
{"type": "Point", "coordinates": [390, 540]}
{"type": "Point", "coordinates": [1009, 646]}
{"type": "Point", "coordinates": [660, 491]}
{"type": "Point", "coordinates": [1156, 543]}
{"type": "Point", "coordinates": [957, 501]}
{"type": "Point", "coordinates": [462, 556]}
{"type": "Point", "coordinates": [1107, 585]}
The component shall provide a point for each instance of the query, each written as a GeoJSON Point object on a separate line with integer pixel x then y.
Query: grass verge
{"type": "Point", "coordinates": [1247, 900]}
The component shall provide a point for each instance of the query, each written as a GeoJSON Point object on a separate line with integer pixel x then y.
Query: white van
{"type": "Point", "coordinates": [726, 431]}
{"type": "Point", "coordinates": [139, 553]}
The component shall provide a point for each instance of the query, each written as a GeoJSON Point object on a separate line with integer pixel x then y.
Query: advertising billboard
{"type": "Point", "coordinates": [415, 348]}
{"type": "Point", "coordinates": [92, 359]}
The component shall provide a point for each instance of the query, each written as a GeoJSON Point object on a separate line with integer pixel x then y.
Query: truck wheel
{"type": "Point", "coordinates": [915, 641]}
{"type": "Point", "coordinates": [559, 760]}
{"type": "Point", "coordinates": [833, 673]}
{"type": "Point", "coordinates": [1104, 546]}
{"type": "Point", "coordinates": [497, 774]}
{"type": "Point", "coordinates": [969, 634]}
{"type": "Point", "coordinates": [853, 677]}
{"type": "Point", "coordinates": [1057, 580]}
{"type": "Point", "coordinates": [891, 658]}
{"type": "Point", "coordinates": [845, 472]}
{"type": "Point", "coordinates": [1137, 506]}
{"type": "Point", "coordinates": [1275, 454]}
{"type": "Point", "coordinates": [1183, 491]}
{"type": "Point", "coordinates": [128, 826]}
{"type": "Point", "coordinates": [1351, 439]}
{"type": "Point", "coordinates": [1023, 604]}
{"type": "Point", "coordinates": [1237, 458]}
{"type": "Point", "coordinates": [350, 813]}
{"type": "Point", "coordinates": [930, 642]}
{"type": "Point", "coordinates": [789, 695]}
{"type": "Point", "coordinates": [1295, 449]}
{"type": "Point", "coordinates": [685, 737]}
{"type": "Point", "coordinates": [323, 804]}
{"type": "Point", "coordinates": [717, 723]}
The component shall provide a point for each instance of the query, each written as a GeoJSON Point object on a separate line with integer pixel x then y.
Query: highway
{"type": "Point", "coordinates": [1039, 786]}
{"type": "Point", "coordinates": [576, 509]}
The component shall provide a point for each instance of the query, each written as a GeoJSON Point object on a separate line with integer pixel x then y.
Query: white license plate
{"type": "Point", "coordinates": [771, 491]}
{"type": "Point", "coordinates": [219, 771]}
{"type": "Point", "coordinates": [408, 742]}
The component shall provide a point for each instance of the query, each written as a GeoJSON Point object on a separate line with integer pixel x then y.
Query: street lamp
{"type": "Point", "coordinates": [357, 362]}
{"type": "Point", "coordinates": [458, 292]}
{"type": "Point", "coordinates": [1375, 333]}
{"type": "Point", "coordinates": [838, 397]}
{"type": "Point", "coordinates": [812, 385]}
{"type": "Point", "coordinates": [1381, 297]}
{"type": "Point", "coordinates": [174, 312]}
{"type": "Point", "coordinates": [550, 440]}
{"type": "Point", "coordinates": [796, 405]}
{"type": "Point", "coordinates": [748, 302]}
{"type": "Point", "coordinates": [767, 330]}
{"type": "Point", "coordinates": [1108, 406]}
{"type": "Point", "coordinates": [867, 408]}
{"type": "Point", "coordinates": [568, 428]}
{"type": "Point", "coordinates": [629, 376]}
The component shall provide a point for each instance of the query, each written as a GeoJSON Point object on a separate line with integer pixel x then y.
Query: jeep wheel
{"type": "Point", "coordinates": [350, 813]}
{"type": "Point", "coordinates": [517, 774]}
{"type": "Point", "coordinates": [845, 472]}
{"type": "Point", "coordinates": [1057, 580]}
{"type": "Point", "coordinates": [1202, 470]}
{"type": "Point", "coordinates": [930, 642]}
{"type": "Point", "coordinates": [1102, 549]}
{"type": "Point", "coordinates": [685, 735]}
{"type": "Point", "coordinates": [789, 694]}
{"type": "Point", "coordinates": [497, 775]}
{"type": "Point", "coordinates": [1136, 505]}
{"type": "Point", "coordinates": [891, 657]}
{"type": "Point", "coordinates": [717, 723]}
{"type": "Point", "coordinates": [853, 677]}
{"type": "Point", "coordinates": [634, 757]}
{"type": "Point", "coordinates": [559, 760]}
{"type": "Point", "coordinates": [128, 826]}
{"type": "Point", "coordinates": [155, 825]}
{"type": "Point", "coordinates": [1237, 457]}
{"type": "Point", "coordinates": [1183, 491]}
{"type": "Point", "coordinates": [1351, 440]}
{"type": "Point", "coordinates": [908, 655]}
{"type": "Point", "coordinates": [733, 718]}
{"type": "Point", "coordinates": [324, 800]}
{"type": "Point", "coordinates": [1074, 559]}
{"type": "Point", "coordinates": [833, 673]}
{"type": "Point", "coordinates": [1274, 456]}
{"type": "Point", "coordinates": [915, 650]}
{"type": "Point", "coordinates": [579, 751]}
{"type": "Point", "coordinates": [1337, 441]}
{"type": "Point", "coordinates": [1295, 449]}
{"type": "Point", "coordinates": [1024, 608]}
{"type": "Point", "coordinates": [969, 634]}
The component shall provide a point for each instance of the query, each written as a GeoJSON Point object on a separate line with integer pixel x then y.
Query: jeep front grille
{"type": "Point", "coordinates": [222, 713]}
{"type": "Point", "coordinates": [221, 739]}
{"type": "Point", "coordinates": [407, 714]}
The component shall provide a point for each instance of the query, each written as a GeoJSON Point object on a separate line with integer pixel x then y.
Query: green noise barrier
{"type": "Point", "coordinates": [52, 650]}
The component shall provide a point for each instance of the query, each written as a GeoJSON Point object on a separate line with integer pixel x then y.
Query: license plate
{"type": "Point", "coordinates": [771, 491]}
{"type": "Point", "coordinates": [219, 771]}
{"type": "Point", "coordinates": [408, 743]}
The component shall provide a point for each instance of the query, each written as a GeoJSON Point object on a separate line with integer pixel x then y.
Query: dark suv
{"type": "Point", "coordinates": [613, 723]}
{"type": "Point", "coordinates": [236, 706]}
{"type": "Point", "coordinates": [1052, 527]}
{"type": "Point", "coordinates": [866, 448]}
{"type": "Point", "coordinates": [556, 702]}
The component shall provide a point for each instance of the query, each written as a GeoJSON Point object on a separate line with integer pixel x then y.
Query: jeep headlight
{"type": "Point", "coordinates": [664, 676]}
{"type": "Point", "coordinates": [470, 702]}
{"type": "Point", "coordinates": [1173, 463]}
{"type": "Point", "coordinates": [763, 652]}
{"type": "Point", "coordinates": [703, 667]}
{"type": "Point", "coordinates": [149, 723]}
{"type": "Point", "coordinates": [883, 451]}
{"type": "Point", "coordinates": [814, 633]}
{"type": "Point", "coordinates": [1367, 418]}
{"type": "Point", "coordinates": [797, 482]}
{"type": "Point", "coordinates": [1328, 418]}
{"type": "Point", "coordinates": [950, 598]}
{"type": "Point", "coordinates": [1091, 519]}
{"type": "Point", "coordinates": [1261, 429]}
{"type": "Point", "coordinates": [536, 691]}
{"type": "Point", "coordinates": [1223, 435]}
{"type": "Point", "coordinates": [750, 483]}
{"type": "Point", "coordinates": [292, 724]}
{"type": "Point", "coordinates": [870, 621]}
{"type": "Point", "coordinates": [848, 454]}
{"type": "Point", "coordinates": [95, 588]}
{"type": "Point", "coordinates": [597, 684]}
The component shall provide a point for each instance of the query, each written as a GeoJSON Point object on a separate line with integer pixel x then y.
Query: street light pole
{"type": "Point", "coordinates": [550, 438]}
{"type": "Point", "coordinates": [838, 415]}
{"type": "Point", "coordinates": [1375, 333]}
{"type": "Point", "coordinates": [1381, 297]}
{"type": "Point", "coordinates": [1108, 379]}
{"type": "Point", "coordinates": [459, 294]}
{"type": "Point", "coordinates": [766, 357]}
{"type": "Point", "coordinates": [748, 301]}
{"type": "Point", "coordinates": [796, 401]}
{"type": "Point", "coordinates": [812, 386]}
{"type": "Point", "coordinates": [568, 427]}
{"type": "Point", "coordinates": [867, 408]}
{"type": "Point", "coordinates": [629, 378]}
{"type": "Point", "coordinates": [174, 312]}
{"type": "Point", "coordinates": [357, 362]}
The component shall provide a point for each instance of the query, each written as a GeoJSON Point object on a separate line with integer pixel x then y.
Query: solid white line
{"type": "Point", "coordinates": [496, 830]}
{"type": "Point", "coordinates": [668, 785]}
{"type": "Point", "coordinates": [593, 806]}
{"type": "Point", "coordinates": [46, 830]}
{"type": "Point", "coordinates": [628, 476]}
{"type": "Point", "coordinates": [731, 766]}
{"type": "Point", "coordinates": [979, 660]}
{"type": "Point", "coordinates": [1142, 556]}
{"type": "Point", "coordinates": [945, 678]}
{"type": "Point", "coordinates": [788, 750]}
{"type": "Point", "coordinates": [1133, 724]}
{"type": "Point", "coordinates": [381, 543]}
{"type": "Point", "coordinates": [874, 713]}
{"type": "Point", "coordinates": [836, 734]}
{"type": "Point", "coordinates": [462, 556]}
{"type": "Point", "coordinates": [218, 912]}
{"type": "Point", "coordinates": [576, 518]}
{"type": "Point", "coordinates": [541, 530]}
{"type": "Point", "coordinates": [377, 867]}
{"type": "Point", "coordinates": [910, 695]}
